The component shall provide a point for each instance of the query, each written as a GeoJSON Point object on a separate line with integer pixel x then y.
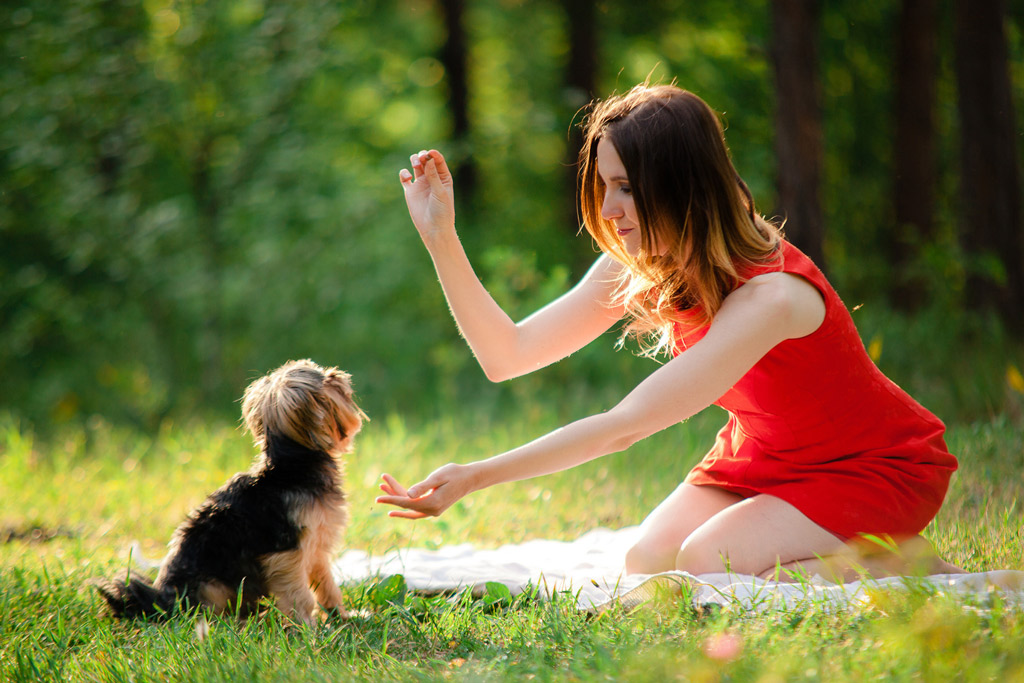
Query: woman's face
{"type": "Point", "coordinates": [618, 207]}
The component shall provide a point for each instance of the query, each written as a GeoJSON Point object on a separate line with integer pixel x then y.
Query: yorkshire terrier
{"type": "Point", "coordinates": [271, 531]}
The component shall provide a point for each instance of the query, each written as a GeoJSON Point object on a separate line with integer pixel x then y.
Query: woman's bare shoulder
{"type": "Point", "coordinates": [791, 299]}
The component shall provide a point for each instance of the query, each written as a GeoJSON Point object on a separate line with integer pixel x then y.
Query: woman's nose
{"type": "Point", "coordinates": [610, 210]}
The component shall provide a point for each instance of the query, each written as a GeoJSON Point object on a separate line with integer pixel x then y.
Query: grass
{"type": "Point", "coordinates": [74, 502]}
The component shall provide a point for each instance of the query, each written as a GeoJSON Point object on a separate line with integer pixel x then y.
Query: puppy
{"type": "Point", "coordinates": [271, 531]}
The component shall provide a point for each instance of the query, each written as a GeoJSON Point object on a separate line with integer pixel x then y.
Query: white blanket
{"type": "Point", "coordinates": [590, 569]}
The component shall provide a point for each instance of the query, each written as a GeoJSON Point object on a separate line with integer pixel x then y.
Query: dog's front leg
{"type": "Point", "coordinates": [326, 589]}
{"type": "Point", "coordinates": [286, 582]}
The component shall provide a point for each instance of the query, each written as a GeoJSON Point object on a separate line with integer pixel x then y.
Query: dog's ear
{"type": "Point", "coordinates": [252, 409]}
{"type": "Point", "coordinates": [340, 403]}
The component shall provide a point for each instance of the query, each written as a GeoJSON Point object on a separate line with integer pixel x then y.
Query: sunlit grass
{"type": "Point", "coordinates": [110, 487]}
{"type": "Point", "coordinates": [74, 502]}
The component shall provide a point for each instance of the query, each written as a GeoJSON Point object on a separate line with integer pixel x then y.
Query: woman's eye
{"type": "Point", "coordinates": [626, 189]}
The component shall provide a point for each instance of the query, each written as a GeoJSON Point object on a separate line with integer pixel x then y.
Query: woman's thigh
{"type": "Point", "coordinates": [753, 536]}
{"type": "Point", "coordinates": [668, 525]}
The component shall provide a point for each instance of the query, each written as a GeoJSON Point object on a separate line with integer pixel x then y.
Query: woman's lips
{"type": "Point", "coordinates": [624, 231]}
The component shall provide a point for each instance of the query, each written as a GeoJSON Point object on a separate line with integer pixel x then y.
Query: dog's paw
{"type": "Point", "coordinates": [336, 613]}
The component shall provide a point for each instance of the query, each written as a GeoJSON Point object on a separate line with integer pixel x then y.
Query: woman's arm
{"type": "Point", "coordinates": [752, 320]}
{"type": "Point", "coordinates": [503, 348]}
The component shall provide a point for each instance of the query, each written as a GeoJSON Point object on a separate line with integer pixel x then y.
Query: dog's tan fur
{"type": "Point", "coordinates": [301, 578]}
{"type": "Point", "coordinates": [301, 522]}
{"type": "Point", "coordinates": [315, 408]}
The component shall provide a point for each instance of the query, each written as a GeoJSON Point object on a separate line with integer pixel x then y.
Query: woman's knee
{"type": "Point", "coordinates": [698, 556]}
{"type": "Point", "coordinates": [649, 558]}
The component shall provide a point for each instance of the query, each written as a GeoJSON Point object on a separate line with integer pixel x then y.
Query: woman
{"type": "Point", "coordinates": [820, 448]}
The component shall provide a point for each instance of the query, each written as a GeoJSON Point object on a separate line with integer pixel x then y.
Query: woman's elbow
{"type": "Point", "coordinates": [495, 375]}
{"type": "Point", "coordinates": [624, 430]}
{"type": "Point", "coordinates": [624, 441]}
{"type": "Point", "coordinates": [498, 372]}
{"type": "Point", "coordinates": [505, 367]}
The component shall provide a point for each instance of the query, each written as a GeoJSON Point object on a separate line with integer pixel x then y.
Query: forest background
{"type": "Point", "coordinates": [194, 191]}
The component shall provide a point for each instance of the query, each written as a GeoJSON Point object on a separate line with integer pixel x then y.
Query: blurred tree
{"type": "Point", "coordinates": [992, 228]}
{"type": "Point", "coordinates": [70, 152]}
{"type": "Point", "coordinates": [914, 159]}
{"type": "Point", "coordinates": [453, 57]}
{"type": "Point", "coordinates": [229, 77]}
{"type": "Point", "coordinates": [168, 172]}
{"type": "Point", "coordinates": [578, 91]}
{"type": "Point", "coordinates": [193, 191]}
{"type": "Point", "coordinates": [798, 128]}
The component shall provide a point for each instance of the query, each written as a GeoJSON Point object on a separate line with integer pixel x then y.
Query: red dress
{"type": "Point", "coordinates": [818, 425]}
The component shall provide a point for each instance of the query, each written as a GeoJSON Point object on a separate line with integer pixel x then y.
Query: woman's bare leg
{"type": "Point", "coordinates": [669, 524]}
{"type": "Point", "coordinates": [704, 529]}
{"type": "Point", "coordinates": [913, 557]}
{"type": "Point", "coordinates": [755, 536]}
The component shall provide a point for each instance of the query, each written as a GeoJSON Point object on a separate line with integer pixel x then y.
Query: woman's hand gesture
{"type": "Point", "coordinates": [430, 497]}
{"type": "Point", "coordinates": [429, 194]}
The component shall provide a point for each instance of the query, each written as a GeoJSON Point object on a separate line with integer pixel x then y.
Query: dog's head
{"type": "Point", "coordinates": [309, 404]}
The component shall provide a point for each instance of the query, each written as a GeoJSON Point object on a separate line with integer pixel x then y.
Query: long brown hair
{"type": "Point", "coordinates": [699, 230]}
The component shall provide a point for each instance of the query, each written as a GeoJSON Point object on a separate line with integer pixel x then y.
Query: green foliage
{"type": "Point", "coordinates": [961, 366]}
{"type": "Point", "coordinates": [185, 208]}
{"type": "Point", "coordinates": [192, 192]}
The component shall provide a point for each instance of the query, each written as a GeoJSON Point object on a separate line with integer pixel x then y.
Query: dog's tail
{"type": "Point", "coordinates": [137, 597]}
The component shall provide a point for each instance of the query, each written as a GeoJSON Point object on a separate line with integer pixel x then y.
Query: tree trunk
{"type": "Point", "coordinates": [798, 128]}
{"type": "Point", "coordinates": [580, 78]}
{"type": "Point", "coordinates": [914, 146]}
{"type": "Point", "coordinates": [454, 59]}
{"type": "Point", "coordinates": [990, 226]}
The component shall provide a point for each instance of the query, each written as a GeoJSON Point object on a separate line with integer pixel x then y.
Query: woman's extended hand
{"type": "Point", "coordinates": [429, 194]}
{"type": "Point", "coordinates": [430, 497]}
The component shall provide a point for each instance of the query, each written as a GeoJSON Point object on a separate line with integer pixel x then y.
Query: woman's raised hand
{"type": "Point", "coordinates": [430, 497]}
{"type": "Point", "coordinates": [429, 194]}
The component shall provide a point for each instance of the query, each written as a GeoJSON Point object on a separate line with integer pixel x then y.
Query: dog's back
{"type": "Point", "coordinates": [216, 554]}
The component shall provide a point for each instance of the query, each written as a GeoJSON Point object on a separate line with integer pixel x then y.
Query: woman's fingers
{"type": "Point", "coordinates": [425, 487]}
{"type": "Point", "coordinates": [436, 171]}
{"type": "Point", "coordinates": [393, 487]}
{"type": "Point", "coordinates": [407, 178]}
{"type": "Point", "coordinates": [412, 508]}
{"type": "Point", "coordinates": [394, 499]}
{"type": "Point", "coordinates": [406, 514]}
{"type": "Point", "coordinates": [429, 163]}
{"type": "Point", "coordinates": [441, 166]}
{"type": "Point", "coordinates": [418, 160]}
{"type": "Point", "coordinates": [398, 495]}
{"type": "Point", "coordinates": [417, 501]}
{"type": "Point", "coordinates": [428, 498]}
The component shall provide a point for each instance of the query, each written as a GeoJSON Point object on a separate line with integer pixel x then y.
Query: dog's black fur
{"type": "Point", "coordinates": [226, 539]}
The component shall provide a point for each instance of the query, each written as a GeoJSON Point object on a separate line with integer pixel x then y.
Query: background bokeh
{"type": "Point", "coordinates": [194, 191]}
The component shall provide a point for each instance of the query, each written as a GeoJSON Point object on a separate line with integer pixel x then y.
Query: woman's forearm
{"type": "Point", "coordinates": [504, 348]}
{"type": "Point", "coordinates": [571, 445]}
{"type": "Point", "coordinates": [489, 331]}
{"type": "Point", "coordinates": [576, 443]}
{"type": "Point", "coordinates": [429, 194]}
{"type": "Point", "coordinates": [507, 349]}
